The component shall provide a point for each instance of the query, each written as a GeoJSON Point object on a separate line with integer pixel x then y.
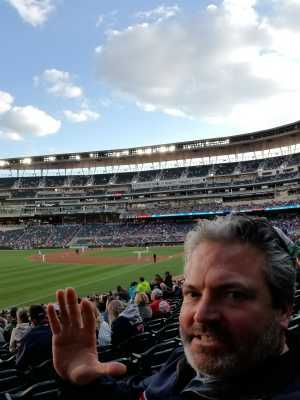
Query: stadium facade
{"type": "Point", "coordinates": [257, 173]}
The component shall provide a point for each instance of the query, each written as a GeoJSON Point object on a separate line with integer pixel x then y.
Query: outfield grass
{"type": "Point", "coordinates": [23, 282]}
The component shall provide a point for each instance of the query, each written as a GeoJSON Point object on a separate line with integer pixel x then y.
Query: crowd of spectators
{"type": "Point", "coordinates": [118, 316]}
{"type": "Point", "coordinates": [121, 234]}
{"type": "Point", "coordinates": [124, 315]}
{"type": "Point", "coordinates": [131, 233]}
{"type": "Point", "coordinates": [214, 206]}
{"type": "Point", "coordinates": [36, 236]}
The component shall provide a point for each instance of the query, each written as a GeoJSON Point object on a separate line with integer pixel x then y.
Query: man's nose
{"type": "Point", "coordinates": [207, 309]}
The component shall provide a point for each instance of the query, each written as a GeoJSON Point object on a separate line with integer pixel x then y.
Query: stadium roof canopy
{"type": "Point", "coordinates": [283, 136]}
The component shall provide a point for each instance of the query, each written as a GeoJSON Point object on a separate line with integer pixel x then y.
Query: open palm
{"type": "Point", "coordinates": [75, 355]}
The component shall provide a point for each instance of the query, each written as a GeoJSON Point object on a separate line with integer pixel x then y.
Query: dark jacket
{"type": "Point", "coordinates": [278, 379]}
{"type": "Point", "coordinates": [35, 347]}
{"type": "Point", "coordinates": [128, 324]}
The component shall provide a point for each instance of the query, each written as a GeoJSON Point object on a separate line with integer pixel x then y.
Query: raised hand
{"type": "Point", "coordinates": [74, 349]}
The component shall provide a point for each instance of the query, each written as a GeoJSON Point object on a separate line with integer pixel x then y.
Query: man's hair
{"type": "Point", "coordinates": [142, 279]}
{"type": "Point", "coordinates": [37, 313]}
{"type": "Point", "coordinates": [114, 308]}
{"type": "Point", "coordinates": [157, 294]}
{"type": "Point", "coordinates": [13, 312]}
{"type": "Point", "coordinates": [279, 266]}
{"type": "Point", "coordinates": [22, 315]}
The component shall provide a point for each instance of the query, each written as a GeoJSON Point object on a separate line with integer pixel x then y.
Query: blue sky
{"type": "Point", "coordinates": [92, 75]}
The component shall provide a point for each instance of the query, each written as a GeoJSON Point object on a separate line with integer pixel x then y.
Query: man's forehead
{"type": "Point", "coordinates": [229, 259]}
{"type": "Point", "coordinates": [209, 249]}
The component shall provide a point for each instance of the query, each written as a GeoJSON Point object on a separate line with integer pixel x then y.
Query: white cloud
{"type": "Point", "coordinates": [173, 112]}
{"type": "Point", "coordinates": [100, 20]}
{"type": "Point", "coordinates": [285, 14]}
{"type": "Point", "coordinates": [81, 116]}
{"type": "Point", "coordinates": [159, 13]}
{"type": "Point", "coordinates": [16, 137]}
{"type": "Point", "coordinates": [6, 101]}
{"type": "Point", "coordinates": [146, 106]}
{"type": "Point", "coordinates": [59, 83]}
{"type": "Point", "coordinates": [22, 121]}
{"type": "Point", "coordinates": [98, 49]}
{"type": "Point", "coordinates": [229, 63]}
{"type": "Point", "coordinates": [212, 8]}
{"type": "Point", "coordinates": [34, 12]}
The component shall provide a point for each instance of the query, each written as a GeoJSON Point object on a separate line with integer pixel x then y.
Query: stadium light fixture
{"type": "Point", "coordinates": [49, 159]}
{"type": "Point", "coordinates": [162, 149]}
{"type": "Point", "coordinates": [26, 161]}
{"type": "Point", "coordinates": [74, 157]}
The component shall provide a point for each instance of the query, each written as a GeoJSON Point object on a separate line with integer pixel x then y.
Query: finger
{"type": "Point", "coordinates": [63, 311]}
{"type": "Point", "coordinates": [74, 308]}
{"type": "Point", "coordinates": [88, 316]}
{"type": "Point", "coordinates": [112, 368]}
{"type": "Point", "coordinates": [53, 320]}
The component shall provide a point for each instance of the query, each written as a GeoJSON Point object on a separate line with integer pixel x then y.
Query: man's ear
{"type": "Point", "coordinates": [284, 314]}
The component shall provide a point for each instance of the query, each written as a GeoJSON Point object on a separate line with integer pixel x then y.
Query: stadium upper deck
{"type": "Point", "coordinates": [60, 188]}
{"type": "Point", "coordinates": [283, 136]}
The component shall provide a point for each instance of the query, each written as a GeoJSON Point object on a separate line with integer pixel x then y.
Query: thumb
{"type": "Point", "coordinates": [84, 375]}
{"type": "Point", "coordinates": [113, 368]}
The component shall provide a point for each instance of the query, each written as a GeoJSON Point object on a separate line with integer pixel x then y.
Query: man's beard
{"type": "Point", "coordinates": [240, 358]}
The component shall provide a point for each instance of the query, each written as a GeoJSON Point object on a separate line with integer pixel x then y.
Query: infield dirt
{"type": "Point", "coordinates": [70, 257]}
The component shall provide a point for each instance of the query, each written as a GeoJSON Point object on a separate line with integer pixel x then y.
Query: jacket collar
{"type": "Point", "coordinates": [259, 384]}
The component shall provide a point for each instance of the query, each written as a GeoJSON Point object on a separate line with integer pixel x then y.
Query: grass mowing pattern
{"type": "Point", "coordinates": [23, 282]}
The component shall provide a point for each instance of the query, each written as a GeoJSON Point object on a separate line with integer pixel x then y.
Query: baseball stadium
{"type": "Point", "coordinates": [95, 220]}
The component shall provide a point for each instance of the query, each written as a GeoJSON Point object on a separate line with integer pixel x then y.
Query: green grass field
{"type": "Point", "coordinates": [23, 282]}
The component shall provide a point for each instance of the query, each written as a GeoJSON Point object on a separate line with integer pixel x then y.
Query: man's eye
{"type": "Point", "coordinates": [191, 295]}
{"type": "Point", "coordinates": [236, 295]}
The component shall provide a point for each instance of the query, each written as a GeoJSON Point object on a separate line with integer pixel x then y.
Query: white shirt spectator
{"type": "Point", "coordinates": [17, 335]}
{"type": "Point", "coordinates": [104, 335]}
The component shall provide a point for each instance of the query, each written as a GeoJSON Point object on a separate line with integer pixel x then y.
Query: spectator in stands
{"type": "Point", "coordinates": [143, 286]}
{"type": "Point", "coordinates": [159, 306]}
{"type": "Point", "coordinates": [155, 284]}
{"type": "Point", "coordinates": [168, 280]}
{"type": "Point", "coordinates": [122, 294]}
{"type": "Point", "coordinates": [36, 345]}
{"type": "Point", "coordinates": [3, 320]}
{"type": "Point", "coordinates": [132, 290]}
{"type": "Point", "coordinates": [125, 322]}
{"type": "Point", "coordinates": [23, 326]}
{"type": "Point", "coordinates": [3, 323]}
{"type": "Point", "coordinates": [12, 323]}
{"type": "Point", "coordinates": [2, 340]}
{"type": "Point", "coordinates": [142, 300]}
{"type": "Point", "coordinates": [298, 269]}
{"type": "Point", "coordinates": [103, 331]}
{"type": "Point", "coordinates": [233, 324]}
{"type": "Point", "coordinates": [104, 335]}
{"type": "Point", "coordinates": [177, 289]}
{"type": "Point", "coordinates": [102, 307]}
{"type": "Point", "coordinates": [158, 283]}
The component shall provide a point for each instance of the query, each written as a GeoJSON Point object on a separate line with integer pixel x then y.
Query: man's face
{"type": "Point", "coordinates": [227, 321]}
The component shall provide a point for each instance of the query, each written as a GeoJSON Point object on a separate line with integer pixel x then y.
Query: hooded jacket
{"type": "Point", "coordinates": [128, 324]}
